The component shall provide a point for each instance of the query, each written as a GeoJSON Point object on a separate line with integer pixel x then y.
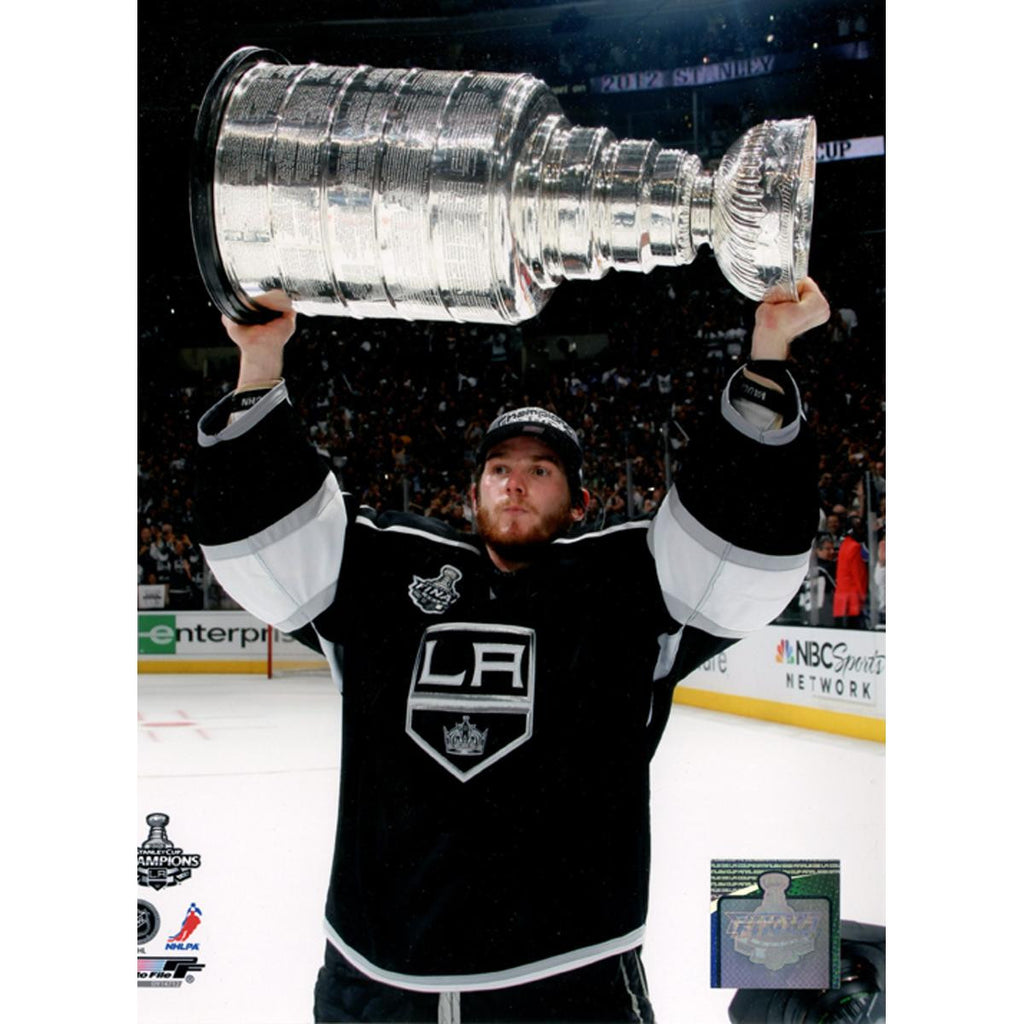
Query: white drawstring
{"type": "Point", "coordinates": [449, 1008]}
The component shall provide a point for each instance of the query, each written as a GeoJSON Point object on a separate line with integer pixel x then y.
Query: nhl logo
{"type": "Point", "coordinates": [435, 596]}
{"type": "Point", "coordinates": [149, 921]}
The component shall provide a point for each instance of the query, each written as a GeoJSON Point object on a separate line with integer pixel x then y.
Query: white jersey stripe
{"type": "Point", "coordinates": [425, 534]}
{"type": "Point", "coordinates": [684, 613]}
{"type": "Point", "coordinates": [668, 650]}
{"type": "Point", "coordinates": [706, 582]}
{"type": "Point", "coordinates": [493, 979]}
{"type": "Point", "coordinates": [752, 427]}
{"type": "Point", "coordinates": [287, 573]}
{"type": "Point", "coordinates": [636, 524]}
{"type": "Point", "coordinates": [242, 422]}
{"type": "Point", "coordinates": [691, 526]}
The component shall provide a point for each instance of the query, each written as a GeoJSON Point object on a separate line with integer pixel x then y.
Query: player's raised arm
{"type": "Point", "coordinates": [271, 514]}
{"type": "Point", "coordinates": [732, 539]}
{"type": "Point", "coordinates": [776, 323]}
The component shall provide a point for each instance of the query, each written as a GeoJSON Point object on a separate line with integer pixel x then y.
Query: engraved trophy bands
{"type": "Point", "coordinates": [463, 195]}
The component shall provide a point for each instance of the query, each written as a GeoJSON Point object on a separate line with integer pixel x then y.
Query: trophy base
{"type": "Point", "coordinates": [204, 155]}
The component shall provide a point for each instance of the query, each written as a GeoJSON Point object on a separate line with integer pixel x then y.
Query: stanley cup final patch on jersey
{"type": "Point", "coordinates": [471, 696]}
{"type": "Point", "coordinates": [435, 596]}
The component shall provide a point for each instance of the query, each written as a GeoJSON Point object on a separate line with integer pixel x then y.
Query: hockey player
{"type": "Point", "coordinates": [503, 693]}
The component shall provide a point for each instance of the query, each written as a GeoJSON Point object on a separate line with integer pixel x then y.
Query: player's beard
{"type": "Point", "coordinates": [523, 546]}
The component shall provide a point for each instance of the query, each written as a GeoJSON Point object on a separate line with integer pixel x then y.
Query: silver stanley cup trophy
{"type": "Point", "coordinates": [463, 195]}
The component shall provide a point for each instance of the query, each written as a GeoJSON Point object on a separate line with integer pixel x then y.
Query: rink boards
{"type": "Point", "coordinates": [827, 679]}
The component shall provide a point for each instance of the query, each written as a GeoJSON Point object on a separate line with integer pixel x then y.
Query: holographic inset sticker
{"type": "Point", "coordinates": [775, 924]}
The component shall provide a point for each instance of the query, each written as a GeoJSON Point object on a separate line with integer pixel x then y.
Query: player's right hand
{"type": "Point", "coordinates": [261, 347]}
{"type": "Point", "coordinates": [274, 334]}
{"type": "Point", "coordinates": [778, 321]}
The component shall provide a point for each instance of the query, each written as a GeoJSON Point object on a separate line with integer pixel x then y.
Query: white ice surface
{"type": "Point", "coordinates": [246, 768]}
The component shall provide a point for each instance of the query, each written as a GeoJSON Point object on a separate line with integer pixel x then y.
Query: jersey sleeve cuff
{"type": "Point", "coordinates": [220, 423]}
{"type": "Point", "coordinates": [756, 422]}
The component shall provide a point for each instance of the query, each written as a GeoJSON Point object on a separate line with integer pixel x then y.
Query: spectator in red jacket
{"type": "Point", "coordinates": [850, 602]}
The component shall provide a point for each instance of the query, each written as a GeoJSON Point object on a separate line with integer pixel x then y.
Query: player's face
{"type": "Point", "coordinates": [522, 500]}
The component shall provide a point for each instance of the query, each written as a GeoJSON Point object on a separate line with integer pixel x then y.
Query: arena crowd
{"type": "Point", "coordinates": [398, 408]}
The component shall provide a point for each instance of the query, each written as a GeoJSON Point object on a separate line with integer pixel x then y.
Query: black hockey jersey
{"type": "Point", "coordinates": [496, 728]}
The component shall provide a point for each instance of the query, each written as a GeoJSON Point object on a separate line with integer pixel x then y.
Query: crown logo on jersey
{"type": "Point", "coordinates": [465, 738]}
{"type": "Point", "coordinates": [435, 596]}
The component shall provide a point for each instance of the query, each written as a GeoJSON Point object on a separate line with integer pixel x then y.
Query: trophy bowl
{"type": "Point", "coordinates": [464, 195]}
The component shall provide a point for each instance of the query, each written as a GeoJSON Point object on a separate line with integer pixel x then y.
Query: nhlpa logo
{"type": "Point", "coordinates": [436, 595]}
{"type": "Point", "coordinates": [471, 697]}
{"type": "Point", "coordinates": [784, 653]}
{"type": "Point", "coordinates": [180, 941]}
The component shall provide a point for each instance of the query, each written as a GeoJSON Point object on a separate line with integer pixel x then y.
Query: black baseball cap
{"type": "Point", "coordinates": [531, 421]}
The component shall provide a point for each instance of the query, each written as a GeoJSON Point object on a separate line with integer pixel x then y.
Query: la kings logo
{"type": "Point", "coordinates": [471, 696]}
{"type": "Point", "coordinates": [437, 595]}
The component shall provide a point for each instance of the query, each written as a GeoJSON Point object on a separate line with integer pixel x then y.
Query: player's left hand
{"type": "Point", "coordinates": [777, 323]}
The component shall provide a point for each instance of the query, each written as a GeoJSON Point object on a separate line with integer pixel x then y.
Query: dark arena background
{"type": "Point", "coordinates": [631, 359]}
